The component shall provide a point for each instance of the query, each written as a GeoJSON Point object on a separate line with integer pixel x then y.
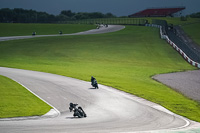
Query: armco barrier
{"type": "Point", "coordinates": [163, 36]}
{"type": "Point", "coordinates": [196, 64]}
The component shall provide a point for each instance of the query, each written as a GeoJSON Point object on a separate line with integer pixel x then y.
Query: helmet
{"type": "Point", "coordinates": [71, 104]}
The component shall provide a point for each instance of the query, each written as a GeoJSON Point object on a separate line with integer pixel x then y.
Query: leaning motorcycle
{"type": "Point", "coordinates": [77, 111]}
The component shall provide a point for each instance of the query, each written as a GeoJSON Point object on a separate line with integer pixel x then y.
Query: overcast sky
{"type": "Point", "coordinates": [116, 7]}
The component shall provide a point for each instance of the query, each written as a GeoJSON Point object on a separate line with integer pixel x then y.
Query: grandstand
{"type": "Point", "coordinates": [158, 12]}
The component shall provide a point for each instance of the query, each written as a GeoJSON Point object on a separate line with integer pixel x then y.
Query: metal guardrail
{"type": "Point", "coordinates": [170, 36]}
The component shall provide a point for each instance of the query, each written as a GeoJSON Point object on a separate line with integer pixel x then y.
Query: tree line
{"type": "Point", "coordinates": [19, 15]}
{"type": "Point", "coordinates": [195, 15]}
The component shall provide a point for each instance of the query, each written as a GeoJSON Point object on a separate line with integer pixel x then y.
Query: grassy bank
{"type": "Point", "coordinates": [125, 60]}
{"type": "Point", "coordinates": [193, 31]}
{"type": "Point", "coordinates": [16, 101]}
{"type": "Point", "coordinates": [16, 29]}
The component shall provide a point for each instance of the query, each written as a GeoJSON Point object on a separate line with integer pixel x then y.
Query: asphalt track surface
{"type": "Point", "coordinates": [108, 109]}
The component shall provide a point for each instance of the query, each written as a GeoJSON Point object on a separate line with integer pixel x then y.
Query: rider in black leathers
{"type": "Point", "coordinates": [77, 111]}
{"type": "Point", "coordinates": [94, 82]}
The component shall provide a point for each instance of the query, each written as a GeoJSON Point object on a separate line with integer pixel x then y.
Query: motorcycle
{"type": "Point", "coordinates": [77, 111]}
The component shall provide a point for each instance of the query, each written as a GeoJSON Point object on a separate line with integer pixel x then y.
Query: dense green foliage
{"type": "Point", "coordinates": [19, 15]}
{"type": "Point", "coordinates": [195, 15]}
{"type": "Point", "coordinates": [69, 15]}
{"type": "Point", "coordinates": [10, 29]}
{"type": "Point", "coordinates": [125, 60]}
{"type": "Point", "coordinates": [17, 101]}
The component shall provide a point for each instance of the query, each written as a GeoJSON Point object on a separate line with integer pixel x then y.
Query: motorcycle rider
{"type": "Point", "coordinates": [77, 111]}
{"type": "Point", "coordinates": [94, 82]}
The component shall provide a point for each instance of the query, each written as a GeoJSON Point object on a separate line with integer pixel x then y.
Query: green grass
{"type": "Point", "coordinates": [193, 31]}
{"type": "Point", "coordinates": [16, 29]}
{"type": "Point", "coordinates": [16, 101]}
{"type": "Point", "coordinates": [125, 60]}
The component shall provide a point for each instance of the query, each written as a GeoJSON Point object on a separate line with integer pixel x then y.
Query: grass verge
{"type": "Point", "coordinates": [125, 60]}
{"type": "Point", "coordinates": [17, 101]}
{"type": "Point", "coordinates": [193, 31]}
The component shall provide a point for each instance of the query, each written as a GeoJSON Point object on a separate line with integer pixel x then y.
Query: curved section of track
{"type": "Point", "coordinates": [108, 110]}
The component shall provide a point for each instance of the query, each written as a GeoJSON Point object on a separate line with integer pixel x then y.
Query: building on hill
{"type": "Point", "coordinates": [159, 12]}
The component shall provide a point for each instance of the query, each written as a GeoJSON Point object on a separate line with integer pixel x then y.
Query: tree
{"type": "Point", "coordinates": [62, 17]}
{"type": "Point", "coordinates": [67, 13]}
{"type": "Point", "coordinates": [6, 15]}
{"type": "Point", "coordinates": [96, 15]}
{"type": "Point", "coordinates": [195, 15]}
{"type": "Point", "coordinates": [19, 15]}
{"type": "Point", "coordinates": [81, 15]}
{"type": "Point", "coordinates": [109, 15]}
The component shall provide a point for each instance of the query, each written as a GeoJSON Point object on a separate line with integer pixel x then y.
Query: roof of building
{"type": "Point", "coordinates": [157, 12]}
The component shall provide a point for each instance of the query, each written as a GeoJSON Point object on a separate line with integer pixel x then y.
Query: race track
{"type": "Point", "coordinates": [108, 109]}
{"type": "Point", "coordinates": [103, 29]}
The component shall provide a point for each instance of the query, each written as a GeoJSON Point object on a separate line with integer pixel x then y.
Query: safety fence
{"type": "Point", "coordinates": [164, 35]}
{"type": "Point", "coordinates": [110, 21]}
